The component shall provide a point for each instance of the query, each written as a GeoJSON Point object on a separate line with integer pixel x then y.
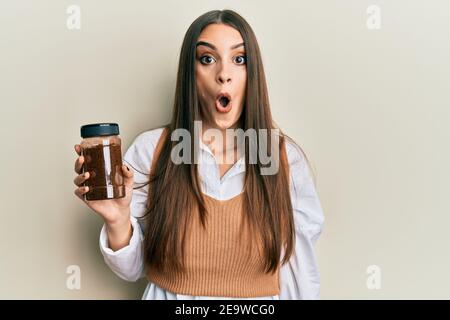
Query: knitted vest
{"type": "Point", "coordinates": [223, 260]}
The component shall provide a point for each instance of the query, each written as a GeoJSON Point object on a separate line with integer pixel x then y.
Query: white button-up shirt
{"type": "Point", "coordinates": [299, 277]}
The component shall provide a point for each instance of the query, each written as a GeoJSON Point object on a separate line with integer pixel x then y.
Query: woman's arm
{"type": "Point", "coordinates": [122, 248]}
{"type": "Point", "coordinates": [119, 233]}
{"type": "Point", "coordinates": [300, 277]}
{"type": "Point", "coordinates": [127, 262]}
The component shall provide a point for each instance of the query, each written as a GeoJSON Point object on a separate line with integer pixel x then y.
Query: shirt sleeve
{"type": "Point", "coordinates": [128, 262]}
{"type": "Point", "coordinates": [300, 277]}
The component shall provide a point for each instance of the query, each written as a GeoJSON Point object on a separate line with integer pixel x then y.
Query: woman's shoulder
{"type": "Point", "coordinates": [148, 138]}
{"type": "Point", "coordinates": [294, 152]}
{"type": "Point", "coordinates": [299, 163]}
{"type": "Point", "coordinates": [140, 152]}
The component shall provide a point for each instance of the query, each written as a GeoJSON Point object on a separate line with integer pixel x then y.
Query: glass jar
{"type": "Point", "coordinates": [101, 149]}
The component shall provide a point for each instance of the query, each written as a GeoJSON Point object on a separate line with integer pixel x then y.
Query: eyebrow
{"type": "Point", "coordinates": [210, 45]}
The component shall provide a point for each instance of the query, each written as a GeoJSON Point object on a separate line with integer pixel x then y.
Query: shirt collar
{"type": "Point", "coordinates": [205, 153]}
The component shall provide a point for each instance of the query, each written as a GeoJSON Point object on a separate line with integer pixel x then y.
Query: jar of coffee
{"type": "Point", "coordinates": [101, 149]}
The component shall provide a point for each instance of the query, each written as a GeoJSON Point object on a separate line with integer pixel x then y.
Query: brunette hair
{"type": "Point", "coordinates": [174, 189]}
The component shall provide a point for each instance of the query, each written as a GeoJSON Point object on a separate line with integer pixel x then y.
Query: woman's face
{"type": "Point", "coordinates": [221, 71]}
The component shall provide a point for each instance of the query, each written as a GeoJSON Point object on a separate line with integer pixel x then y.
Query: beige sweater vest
{"type": "Point", "coordinates": [224, 260]}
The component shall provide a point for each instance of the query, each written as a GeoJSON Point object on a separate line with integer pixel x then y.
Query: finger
{"type": "Point", "coordinates": [127, 172]}
{"type": "Point", "coordinates": [81, 178]}
{"type": "Point", "coordinates": [78, 149]}
{"type": "Point", "coordinates": [127, 175]}
{"type": "Point", "coordinates": [79, 164]}
{"type": "Point", "coordinates": [79, 192]}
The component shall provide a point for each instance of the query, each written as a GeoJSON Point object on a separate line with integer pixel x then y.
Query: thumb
{"type": "Point", "coordinates": [128, 175]}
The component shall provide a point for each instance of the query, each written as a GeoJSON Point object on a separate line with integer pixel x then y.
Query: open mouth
{"type": "Point", "coordinates": [223, 102]}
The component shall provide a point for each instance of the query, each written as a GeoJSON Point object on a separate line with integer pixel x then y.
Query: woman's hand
{"type": "Point", "coordinates": [115, 212]}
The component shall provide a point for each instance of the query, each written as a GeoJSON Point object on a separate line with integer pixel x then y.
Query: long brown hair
{"type": "Point", "coordinates": [174, 189]}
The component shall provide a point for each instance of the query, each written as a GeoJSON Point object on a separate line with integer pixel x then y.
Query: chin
{"type": "Point", "coordinates": [224, 124]}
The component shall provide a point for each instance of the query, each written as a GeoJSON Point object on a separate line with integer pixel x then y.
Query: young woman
{"type": "Point", "coordinates": [208, 228]}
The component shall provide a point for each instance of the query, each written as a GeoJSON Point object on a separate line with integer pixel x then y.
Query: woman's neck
{"type": "Point", "coordinates": [221, 146]}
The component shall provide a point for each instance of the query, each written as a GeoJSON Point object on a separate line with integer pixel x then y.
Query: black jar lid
{"type": "Point", "coordinates": [99, 129]}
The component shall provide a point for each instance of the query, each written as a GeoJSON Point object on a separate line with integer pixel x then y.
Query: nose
{"type": "Point", "coordinates": [223, 76]}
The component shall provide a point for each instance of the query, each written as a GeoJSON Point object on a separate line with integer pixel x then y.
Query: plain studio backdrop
{"type": "Point", "coordinates": [369, 105]}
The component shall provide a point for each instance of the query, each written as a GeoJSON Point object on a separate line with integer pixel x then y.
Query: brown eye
{"type": "Point", "coordinates": [240, 59]}
{"type": "Point", "coordinates": [206, 60]}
